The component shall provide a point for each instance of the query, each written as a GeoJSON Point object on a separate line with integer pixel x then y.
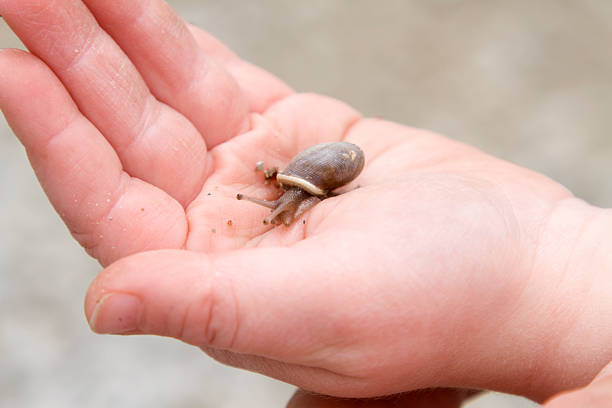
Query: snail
{"type": "Point", "coordinates": [310, 177]}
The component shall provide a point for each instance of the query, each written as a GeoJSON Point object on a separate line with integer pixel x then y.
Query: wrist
{"type": "Point", "coordinates": [569, 299]}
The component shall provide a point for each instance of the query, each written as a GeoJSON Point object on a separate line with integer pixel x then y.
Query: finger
{"type": "Point", "coordinates": [260, 88]}
{"type": "Point", "coordinates": [330, 389]}
{"type": "Point", "coordinates": [313, 378]}
{"type": "Point", "coordinates": [430, 398]}
{"type": "Point", "coordinates": [598, 394]}
{"type": "Point", "coordinates": [153, 142]}
{"type": "Point", "coordinates": [310, 314]}
{"type": "Point", "coordinates": [108, 212]}
{"type": "Point", "coordinates": [237, 301]}
{"type": "Point", "coordinates": [176, 69]}
{"type": "Point", "coordinates": [212, 300]}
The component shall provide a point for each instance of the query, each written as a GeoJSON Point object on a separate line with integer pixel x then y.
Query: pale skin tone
{"type": "Point", "coordinates": [439, 267]}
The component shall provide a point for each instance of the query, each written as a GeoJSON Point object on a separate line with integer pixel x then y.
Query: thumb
{"type": "Point", "coordinates": [598, 394]}
{"type": "Point", "coordinates": [257, 301]}
{"type": "Point", "coordinates": [312, 315]}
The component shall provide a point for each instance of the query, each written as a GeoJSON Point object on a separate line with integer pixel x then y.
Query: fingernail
{"type": "Point", "coordinates": [116, 313]}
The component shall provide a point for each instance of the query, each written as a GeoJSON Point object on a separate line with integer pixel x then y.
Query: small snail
{"type": "Point", "coordinates": [310, 177]}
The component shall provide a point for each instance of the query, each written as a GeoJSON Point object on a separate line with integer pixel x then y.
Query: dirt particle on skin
{"type": "Point", "coordinates": [271, 173]}
{"type": "Point", "coordinates": [214, 230]}
{"type": "Point", "coordinates": [142, 209]}
{"type": "Point", "coordinates": [209, 194]}
{"type": "Point", "coordinates": [229, 223]}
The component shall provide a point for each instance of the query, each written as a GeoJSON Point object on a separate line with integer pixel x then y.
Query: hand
{"type": "Point", "coordinates": [431, 398]}
{"type": "Point", "coordinates": [598, 394]}
{"type": "Point", "coordinates": [432, 271]}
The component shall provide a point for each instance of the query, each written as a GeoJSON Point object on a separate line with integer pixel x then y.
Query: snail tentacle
{"type": "Point", "coordinates": [265, 203]}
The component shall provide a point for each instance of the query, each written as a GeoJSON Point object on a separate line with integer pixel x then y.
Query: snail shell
{"type": "Point", "coordinates": [323, 167]}
{"type": "Point", "coordinates": [310, 177]}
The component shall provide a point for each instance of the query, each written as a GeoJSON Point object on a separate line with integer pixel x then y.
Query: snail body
{"type": "Point", "coordinates": [310, 177]}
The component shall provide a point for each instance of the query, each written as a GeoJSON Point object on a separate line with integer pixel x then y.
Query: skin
{"type": "Point", "coordinates": [142, 129]}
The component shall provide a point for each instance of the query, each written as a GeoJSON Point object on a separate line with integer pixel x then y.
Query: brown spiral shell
{"type": "Point", "coordinates": [323, 167]}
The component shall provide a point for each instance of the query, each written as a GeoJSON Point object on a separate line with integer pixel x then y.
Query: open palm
{"type": "Point", "coordinates": [142, 130]}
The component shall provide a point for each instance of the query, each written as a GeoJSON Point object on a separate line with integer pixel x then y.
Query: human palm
{"type": "Point", "coordinates": [142, 130]}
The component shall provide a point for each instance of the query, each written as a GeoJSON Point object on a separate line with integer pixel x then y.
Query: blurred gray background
{"type": "Point", "coordinates": [527, 81]}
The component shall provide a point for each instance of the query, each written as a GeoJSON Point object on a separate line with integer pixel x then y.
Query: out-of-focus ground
{"type": "Point", "coordinates": [526, 81]}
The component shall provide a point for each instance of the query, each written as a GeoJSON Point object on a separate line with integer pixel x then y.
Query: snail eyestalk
{"type": "Point", "coordinates": [265, 203]}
